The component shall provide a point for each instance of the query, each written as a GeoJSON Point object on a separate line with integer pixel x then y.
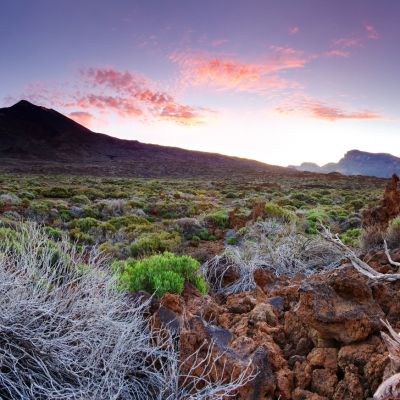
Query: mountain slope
{"type": "Point", "coordinates": [42, 139]}
{"type": "Point", "coordinates": [356, 162]}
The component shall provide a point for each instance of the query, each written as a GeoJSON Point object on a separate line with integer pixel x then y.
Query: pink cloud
{"type": "Point", "coordinates": [107, 90]}
{"type": "Point", "coordinates": [137, 93]}
{"type": "Point", "coordinates": [372, 33]}
{"type": "Point", "coordinates": [81, 117]}
{"type": "Point", "coordinates": [321, 110]}
{"type": "Point", "coordinates": [203, 69]}
{"type": "Point", "coordinates": [341, 46]}
{"type": "Point", "coordinates": [294, 30]}
{"type": "Point", "coordinates": [337, 53]}
{"type": "Point", "coordinates": [347, 42]}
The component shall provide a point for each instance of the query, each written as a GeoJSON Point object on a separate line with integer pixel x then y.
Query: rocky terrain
{"type": "Point", "coordinates": [307, 339]}
{"type": "Point", "coordinates": [314, 338]}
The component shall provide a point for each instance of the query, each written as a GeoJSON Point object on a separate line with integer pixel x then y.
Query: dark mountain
{"type": "Point", "coordinates": [38, 139]}
{"type": "Point", "coordinates": [356, 162]}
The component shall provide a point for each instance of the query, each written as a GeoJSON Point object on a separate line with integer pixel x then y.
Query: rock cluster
{"type": "Point", "coordinates": [314, 339]}
{"type": "Point", "coordinates": [380, 214]}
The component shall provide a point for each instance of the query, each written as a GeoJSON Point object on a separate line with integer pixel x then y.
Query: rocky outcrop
{"type": "Point", "coordinates": [384, 211]}
{"type": "Point", "coordinates": [315, 339]}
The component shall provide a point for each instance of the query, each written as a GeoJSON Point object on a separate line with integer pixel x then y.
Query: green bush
{"type": "Point", "coordinates": [232, 241]}
{"type": "Point", "coordinates": [80, 199]}
{"type": "Point", "coordinates": [272, 210]}
{"type": "Point", "coordinates": [160, 274]}
{"type": "Point", "coordinates": [127, 220]}
{"type": "Point", "coordinates": [218, 218]}
{"type": "Point", "coordinates": [152, 243]}
{"type": "Point", "coordinates": [53, 233]}
{"type": "Point", "coordinates": [8, 238]}
{"type": "Point", "coordinates": [351, 237]}
{"type": "Point", "coordinates": [56, 192]}
{"type": "Point", "coordinates": [85, 224]}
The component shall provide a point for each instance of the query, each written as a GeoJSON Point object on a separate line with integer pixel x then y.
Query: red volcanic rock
{"type": "Point", "coordinates": [263, 277]}
{"type": "Point", "coordinates": [323, 358]}
{"type": "Point", "coordinates": [302, 374]}
{"type": "Point", "coordinates": [240, 303]}
{"type": "Point", "coordinates": [314, 339]}
{"type": "Point", "coordinates": [264, 312]}
{"type": "Point", "coordinates": [386, 209]}
{"type": "Point", "coordinates": [350, 387]}
{"type": "Point", "coordinates": [173, 302]}
{"type": "Point", "coordinates": [323, 382]}
{"type": "Point", "coordinates": [333, 314]}
{"type": "Point", "coordinates": [301, 394]}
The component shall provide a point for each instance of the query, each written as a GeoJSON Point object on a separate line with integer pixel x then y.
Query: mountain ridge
{"type": "Point", "coordinates": [357, 162]}
{"type": "Point", "coordinates": [35, 135]}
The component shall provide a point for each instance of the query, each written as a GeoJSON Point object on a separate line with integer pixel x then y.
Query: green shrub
{"type": "Point", "coordinates": [85, 224]}
{"type": "Point", "coordinates": [127, 220]}
{"type": "Point", "coordinates": [232, 241]}
{"type": "Point", "coordinates": [54, 234]}
{"type": "Point", "coordinates": [152, 243]}
{"type": "Point", "coordinates": [56, 192]}
{"type": "Point", "coordinates": [27, 195]}
{"type": "Point", "coordinates": [8, 238]}
{"type": "Point", "coordinates": [80, 199]}
{"type": "Point", "coordinates": [161, 274]}
{"type": "Point", "coordinates": [272, 210]}
{"type": "Point", "coordinates": [218, 218]}
{"type": "Point", "coordinates": [351, 237]}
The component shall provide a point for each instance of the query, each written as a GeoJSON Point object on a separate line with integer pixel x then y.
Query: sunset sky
{"type": "Point", "coordinates": [280, 81]}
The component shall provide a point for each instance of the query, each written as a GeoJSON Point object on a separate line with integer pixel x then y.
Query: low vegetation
{"type": "Point", "coordinates": [160, 274]}
{"type": "Point", "coordinates": [172, 289]}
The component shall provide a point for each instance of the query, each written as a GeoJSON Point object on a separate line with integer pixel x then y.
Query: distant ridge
{"type": "Point", "coordinates": [36, 138]}
{"type": "Point", "coordinates": [356, 162]}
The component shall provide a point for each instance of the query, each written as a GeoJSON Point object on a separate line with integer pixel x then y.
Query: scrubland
{"type": "Point", "coordinates": [191, 289]}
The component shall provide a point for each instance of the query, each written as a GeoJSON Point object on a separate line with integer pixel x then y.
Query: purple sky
{"type": "Point", "coordinates": [279, 81]}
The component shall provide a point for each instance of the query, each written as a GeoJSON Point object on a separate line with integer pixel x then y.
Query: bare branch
{"type": "Point", "coordinates": [390, 388]}
{"type": "Point", "coordinates": [357, 263]}
{"type": "Point", "coordinates": [394, 263]}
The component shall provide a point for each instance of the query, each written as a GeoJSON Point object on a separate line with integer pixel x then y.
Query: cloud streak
{"type": "Point", "coordinates": [341, 47]}
{"type": "Point", "coordinates": [227, 73]}
{"type": "Point", "coordinates": [321, 110]}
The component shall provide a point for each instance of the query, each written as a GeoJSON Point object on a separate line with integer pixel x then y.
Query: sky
{"type": "Point", "coordinates": [280, 81]}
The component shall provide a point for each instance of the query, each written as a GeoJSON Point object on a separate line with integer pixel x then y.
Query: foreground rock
{"type": "Point", "coordinates": [380, 215]}
{"type": "Point", "coordinates": [309, 339]}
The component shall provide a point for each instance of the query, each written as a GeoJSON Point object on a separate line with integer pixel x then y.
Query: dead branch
{"type": "Point", "coordinates": [357, 263]}
{"type": "Point", "coordinates": [390, 388]}
{"type": "Point", "coordinates": [394, 263]}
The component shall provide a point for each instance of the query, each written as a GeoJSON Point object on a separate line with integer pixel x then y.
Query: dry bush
{"type": "Point", "coordinates": [68, 332]}
{"type": "Point", "coordinates": [392, 235]}
{"type": "Point", "coordinates": [273, 245]}
{"type": "Point", "coordinates": [371, 238]}
{"type": "Point", "coordinates": [202, 375]}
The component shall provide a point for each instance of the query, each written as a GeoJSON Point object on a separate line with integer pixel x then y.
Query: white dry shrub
{"type": "Point", "coordinates": [68, 332]}
{"type": "Point", "coordinates": [273, 245]}
{"type": "Point", "coordinates": [202, 375]}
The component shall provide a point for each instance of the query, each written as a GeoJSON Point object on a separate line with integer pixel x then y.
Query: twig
{"type": "Point", "coordinates": [394, 263]}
